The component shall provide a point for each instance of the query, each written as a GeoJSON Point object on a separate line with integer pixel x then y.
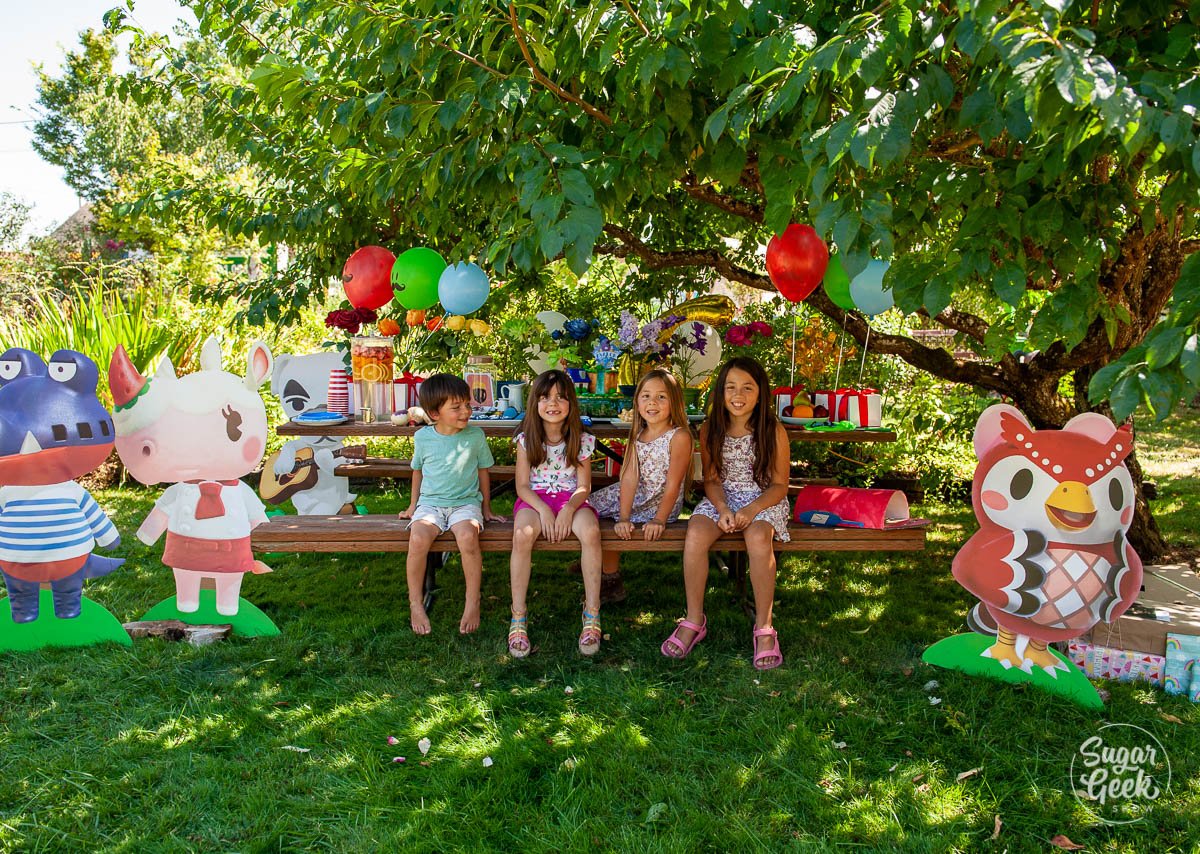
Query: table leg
{"type": "Point", "coordinates": [433, 561]}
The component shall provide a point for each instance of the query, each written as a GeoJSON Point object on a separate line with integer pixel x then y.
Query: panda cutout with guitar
{"type": "Point", "coordinates": [302, 469]}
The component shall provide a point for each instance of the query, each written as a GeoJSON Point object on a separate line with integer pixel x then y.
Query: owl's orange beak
{"type": "Point", "coordinates": [1070, 506]}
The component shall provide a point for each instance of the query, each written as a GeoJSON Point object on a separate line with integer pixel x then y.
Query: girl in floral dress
{"type": "Point", "coordinates": [744, 451]}
{"type": "Point", "coordinates": [655, 474]}
{"type": "Point", "coordinates": [554, 478]}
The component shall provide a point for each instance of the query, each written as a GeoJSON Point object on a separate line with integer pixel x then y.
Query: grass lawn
{"type": "Point", "coordinates": [166, 747]}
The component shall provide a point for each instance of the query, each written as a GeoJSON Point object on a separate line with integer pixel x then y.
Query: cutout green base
{"type": "Point", "coordinates": [248, 622]}
{"type": "Point", "coordinates": [94, 625]}
{"type": "Point", "coordinates": [963, 653]}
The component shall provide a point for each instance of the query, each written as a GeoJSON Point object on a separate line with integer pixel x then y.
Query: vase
{"type": "Point", "coordinates": [691, 397]}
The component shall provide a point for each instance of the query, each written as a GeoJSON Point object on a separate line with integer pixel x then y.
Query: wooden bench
{"type": "Point", "coordinates": [386, 533]}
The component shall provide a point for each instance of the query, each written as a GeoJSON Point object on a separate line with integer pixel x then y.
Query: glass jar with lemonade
{"type": "Point", "coordinates": [371, 358]}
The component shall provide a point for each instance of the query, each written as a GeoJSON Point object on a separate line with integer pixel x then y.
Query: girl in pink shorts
{"type": "Point", "coordinates": [554, 479]}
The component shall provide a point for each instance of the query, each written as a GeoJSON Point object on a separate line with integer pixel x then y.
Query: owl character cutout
{"type": "Point", "coordinates": [1050, 559]}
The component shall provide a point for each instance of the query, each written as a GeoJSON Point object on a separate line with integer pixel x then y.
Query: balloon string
{"type": "Point", "coordinates": [837, 377]}
{"type": "Point", "coordinates": [792, 377]}
{"type": "Point", "coordinates": [417, 349]}
{"type": "Point", "coordinates": [863, 364]}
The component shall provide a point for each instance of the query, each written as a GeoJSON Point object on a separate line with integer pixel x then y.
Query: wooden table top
{"type": "Point", "coordinates": [600, 431]}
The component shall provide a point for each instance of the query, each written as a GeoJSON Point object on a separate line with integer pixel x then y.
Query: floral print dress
{"type": "Point", "coordinates": [654, 459]}
{"type": "Point", "coordinates": [741, 488]}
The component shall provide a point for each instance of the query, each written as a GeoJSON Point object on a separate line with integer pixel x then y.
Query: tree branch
{"type": "Point", "coordinates": [629, 8]}
{"type": "Point", "coordinates": [546, 81]}
{"type": "Point", "coordinates": [936, 360]}
{"type": "Point", "coordinates": [965, 322]}
{"type": "Point", "coordinates": [727, 203]}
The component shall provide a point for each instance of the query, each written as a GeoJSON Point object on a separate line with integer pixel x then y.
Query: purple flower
{"type": "Point", "coordinates": [698, 342]}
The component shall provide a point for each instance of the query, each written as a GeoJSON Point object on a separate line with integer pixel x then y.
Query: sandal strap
{"type": "Point", "coordinates": [684, 623]}
{"type": "Point", "coordinates": [769, 631]}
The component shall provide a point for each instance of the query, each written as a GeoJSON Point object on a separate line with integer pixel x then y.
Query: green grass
{"type": "Point", "coordinates": [173, 748]}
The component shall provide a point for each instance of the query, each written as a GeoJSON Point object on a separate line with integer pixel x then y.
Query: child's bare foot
{"type": "Point", "coordinates": [418, 618]}
{"type": "Point", "coordinates": [470, 618]}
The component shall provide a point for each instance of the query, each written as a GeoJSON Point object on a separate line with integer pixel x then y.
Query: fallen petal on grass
{"type": "Point", "coordinates": [967, 774]}
{"type": "Point", "coordinates": [933, 701]}
{"type": "Point", "coordinates": [487, 762]}
{"type": "Point", "coordinates": [399, 759]}
{"type": "Point", "coordinates": [1062, 841]}
{"type": "Point", "coordinates": [423, 745]}
{"type": "Point", "coordinates": [391, 739]}
{"type": "Point", "coordinates": [931, 685]}
{"type": "Point", "coordinates": [295, 748]}
{"type": "Point", "coordinates": [996, 830]}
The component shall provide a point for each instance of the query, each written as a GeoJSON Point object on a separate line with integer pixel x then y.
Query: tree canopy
{"type": "Point", "coordinates": [1031, 167]}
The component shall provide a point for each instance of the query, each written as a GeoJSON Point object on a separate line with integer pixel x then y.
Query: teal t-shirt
{"type": "Point", "coordinates": [450, 465]}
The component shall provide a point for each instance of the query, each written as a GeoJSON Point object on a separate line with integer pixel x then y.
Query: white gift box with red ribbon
{"type": "Point", "coordinates": [407, 388]}
{"type": "Point", "coordinates": [863, 407]}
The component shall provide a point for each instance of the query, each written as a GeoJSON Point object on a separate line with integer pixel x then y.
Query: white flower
{"type": "Point", "coordinates": [487, 762]}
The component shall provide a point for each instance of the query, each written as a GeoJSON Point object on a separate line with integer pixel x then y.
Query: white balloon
{"type": "Point", "coordinates": [704, 364]}
{"type": "Point", "coordinates": [552, 321]}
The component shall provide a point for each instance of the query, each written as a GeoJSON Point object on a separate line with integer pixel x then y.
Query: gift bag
{"type": "Point", "coordinates": [849, 507]}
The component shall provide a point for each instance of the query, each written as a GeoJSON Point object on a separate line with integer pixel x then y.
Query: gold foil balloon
{"type": "Point", "coordinates": [713, 309]}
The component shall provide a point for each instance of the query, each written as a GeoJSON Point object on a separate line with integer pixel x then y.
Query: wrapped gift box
{"type": "Point", "coordinates": [1169, 603]}
{"type": "Point", "coordinates": [1183, 666]}
{"type": "Point", "coordinates": [863, 407]}
{"type": "Point", "coordinates": [611, 466]}
{"type": "Point", "coordinates": [407, 391]}
{"type": "Point", "coordinates": [1102, 662]}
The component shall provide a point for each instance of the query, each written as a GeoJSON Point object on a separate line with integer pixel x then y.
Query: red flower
{"type": "Point", "coordinates": [758, 327]}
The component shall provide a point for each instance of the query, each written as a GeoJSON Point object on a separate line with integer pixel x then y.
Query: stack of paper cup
{"type": "Point", "coordinates": [339, 391]}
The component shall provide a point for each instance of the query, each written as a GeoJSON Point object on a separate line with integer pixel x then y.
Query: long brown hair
{"type": "Point", "coordinates": [678, 419]}
{"type": "Point", "coordinates": [535, 431]}
{"type": "Point", "coordinates": [762, 421]}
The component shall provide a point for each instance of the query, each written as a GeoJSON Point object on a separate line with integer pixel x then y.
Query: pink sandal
{"type": "Point", "coordinates": [774, 652]}
{"type": "Point", "coordinates": [675, 641]}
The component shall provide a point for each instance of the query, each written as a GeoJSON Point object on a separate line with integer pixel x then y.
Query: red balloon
{"type": "Point", "coordinates": [367, 277]}
{"type": "Point", "coordinates": [796, 261]}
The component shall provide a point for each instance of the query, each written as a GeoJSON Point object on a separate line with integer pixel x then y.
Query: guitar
{"type": "Point", "coordinates": [278, 489]}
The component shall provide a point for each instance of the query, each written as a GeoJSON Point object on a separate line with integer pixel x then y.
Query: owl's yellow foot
{"type": "Point", "coordinates": [1004, 650]}
{"type": "Point", "coordinates": [1037, 653]}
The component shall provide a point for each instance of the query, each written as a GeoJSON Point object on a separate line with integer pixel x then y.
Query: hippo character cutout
{"type": "Point", "coordinates": [52, 429]}
{"type": "Point", "coordinates": [200, 433]}
{"type": "Point", "coordinates": [1051, 558]}
{"type": "Point", "coordinates": [302, 469]}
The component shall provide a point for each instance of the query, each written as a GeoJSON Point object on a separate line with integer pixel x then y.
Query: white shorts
{"type": "Point", "coordinates": [447, 517]}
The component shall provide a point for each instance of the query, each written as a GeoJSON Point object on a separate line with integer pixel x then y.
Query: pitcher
{"type": "Point", "coordinates": [511, 394]}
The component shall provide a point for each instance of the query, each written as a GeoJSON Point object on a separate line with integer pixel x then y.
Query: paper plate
{"type": "Point", "coordinates": [323, 419]}
{"type": "Point", "coordinates": [802, 422]}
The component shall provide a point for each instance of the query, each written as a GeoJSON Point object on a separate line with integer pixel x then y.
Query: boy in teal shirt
{"type": "Point", "coordinates": [450, 488]}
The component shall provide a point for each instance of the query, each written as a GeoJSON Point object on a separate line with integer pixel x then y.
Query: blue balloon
{"type": "Point", "coordinates": [867, 291]}
{"type": "Point", "coordinates": [463, 288]}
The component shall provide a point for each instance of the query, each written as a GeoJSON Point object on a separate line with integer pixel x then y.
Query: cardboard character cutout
{"type": "Point", "coordinates": [52, 429]}
{"type": "Point", "coordinates": [303, 468]}
{"type": "Point", "coordinates": [200, 433]}
{"type": "Point", "coordinates": [1050, 559]}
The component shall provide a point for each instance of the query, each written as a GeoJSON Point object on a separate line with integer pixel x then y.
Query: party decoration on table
{"type": "Point", "coordinates": [605, 353]}
{"type": "Point", "coordinates": [867, 291]}
{"type": "Point", "coordinates": [796, 261]}
{"type": "Point", "coordinates": [651, 343]}
{"type": "Point", "coordinates": [1051, 558]}
{"type": "Point", "coordinates": [463, 288]}
{"type": "Point", "coordinates": [415, 277]}
{"type": "Point", "coordinates": [852, 507]}
{"type": "Point", "coordinates": [200, 433]}
{"type": "Point", "coordinates": [1181, 666]}
{"type": "Point", "coordinates": [837, 284]}
{"type": "Point", "coordinates": [302, 469]}
{"type": "Point", "coordinates": [367, 277]}
{"type": "Point", "coordinates": [350, 319]}
{"type": "Point", "coordinates": [52, 429]}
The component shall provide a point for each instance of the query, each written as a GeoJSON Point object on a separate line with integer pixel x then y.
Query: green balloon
{"type": "Point", "coordinates": [415, 277]}
{"type": "Point", "coordinates": [837, 283]}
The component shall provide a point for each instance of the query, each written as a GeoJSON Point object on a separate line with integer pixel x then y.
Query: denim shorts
{"type": "Point", "coordinates": [447, 517]}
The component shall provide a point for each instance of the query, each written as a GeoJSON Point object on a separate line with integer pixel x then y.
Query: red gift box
{"type": "Point", "coordinates": [611, 466]}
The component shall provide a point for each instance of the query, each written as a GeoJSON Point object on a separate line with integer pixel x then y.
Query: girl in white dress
{"type": "Point", "coordinates": [554, 478]}
{"type": "Point", "coordinates": [655, 474]}
{"type": "Point", "coordinates": [744, 451]}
